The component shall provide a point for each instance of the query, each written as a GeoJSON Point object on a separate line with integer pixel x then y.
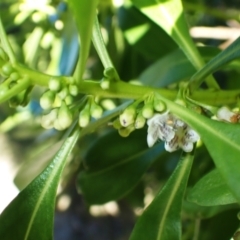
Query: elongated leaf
{"type": "Point", "coordinates": [169, 15]}
{"type": "Point", "coordinates": [211, 190]}
{"type": "Point", "coordinates": [227, 55]}
{"type": "Point", "coordinates": [115, 166]}
{"type": "Point", "coordinates": [161, 220]}
{"type": "Point", "coordinates": [84, 13]}
{"type": "Point", "coordinates": [31, 212]}
{"type": "Point", "coordinates": [222, 141]}
{"type": "Point", "coordinates": [173, 67]}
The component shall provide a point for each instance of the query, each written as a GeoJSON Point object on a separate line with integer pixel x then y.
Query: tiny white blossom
{"type": "Point", "coordinates": [173, 131]}
{"type": "Point", "coordinates": [225, 114]}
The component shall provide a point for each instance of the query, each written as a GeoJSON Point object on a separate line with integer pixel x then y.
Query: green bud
{"type": "Point", "coordinates": [54, 84]}
{"type": "Point", "coordinates": [3, 89]}
{"type": "Point", "coordinates": [57, 125]}
{"type": "Point", "coordinates": [73, 90]}
{"type": "Point", "coordinates": [128, 116]}
{"type": "Point", "coordinates": [125, 132]}
{"type": "Point", "coordinates": [7, 69]}
{"type": "Point", "coordinates": [47, 120]}
{"type": "Point", "coordinates": [116, 124]}
{"type": "Point", "coordinates": [64, 116]}
{"type": "Point", "coordinates": [3, 55]}
{"type": "Point", "coordinates": [69, 100]}
{"type": "Point", "coordinates": [159, 105]}
{"type": "Point", "coordinates": [14, 76]}
{"type": "Point", "coordinates": [147, 110]}
{"type": "Point", "coordinates": [84, 117]}
{"type": "Point", "coordinates": [140, 121]}
{"type": "Point", "coordinates": [47, 99]}
{"type": "Point", "coordinates": [63, 93]}
{"type": "Point", "coordinates": [105, 83]}
{"type": "Point", "coordinates": [95, 110]}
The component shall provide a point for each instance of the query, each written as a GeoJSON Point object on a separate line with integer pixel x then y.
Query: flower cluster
{"type": "Point", "coordinates": [172, 130]}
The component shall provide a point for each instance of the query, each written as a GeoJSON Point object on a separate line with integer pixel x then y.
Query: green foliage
{"type": "Point", "coordinates": [129, 90]}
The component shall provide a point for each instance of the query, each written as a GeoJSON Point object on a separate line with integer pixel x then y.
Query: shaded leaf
{"type": "Point", "coordinates": [114, 166]}
{"type": "Point", "coordinates": [31, 212]}
{"type": "Point", "coordinates": [211, 190]}
{"type": "Point", "coordinates": [161, 220]}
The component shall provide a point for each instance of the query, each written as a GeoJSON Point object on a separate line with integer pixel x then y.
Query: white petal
{"type": "Point", "coordinates": [166, 133]}
{"type": "Point", "coordinates": [158, 118]}
{"type": "Point", "coordinates": [224, 113]}
{"type": "Point", "coordinates": [173, 145]}
{"type": "Point", "coordinates": [187, 147]}
{"type": "Point", "coordinates": [191, 135]}
{"type": "Point", "coordinates": [152, 138]}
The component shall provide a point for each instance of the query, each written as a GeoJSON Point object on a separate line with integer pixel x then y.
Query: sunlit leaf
{"type": "Point", "coordinates": [161, 220]}
{"type": "Point", "coordinates": [222, 141]}
{"type": "Point", "coordinates": [211, 190]}
{"type": "Point", "coordinates": [169, 15]}
{"type": "Point", "coordinates": [114, 166]}
{"type": "Point", "coordinates": [31, 212]}
{"type": "Point", "coordinates": [84, 13]}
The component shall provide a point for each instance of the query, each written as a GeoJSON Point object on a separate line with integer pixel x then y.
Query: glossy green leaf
{"type": "Point", "coordinates": [222, 141]}
{"type": "Point", "coordinates": [169, 15]}
{"type": "Point", "coordinates": [161, 220]}
{"type": "Point", "coordinates": [30, 214]}
{"type": "Point", "coordinates": [114, 166]}
{"type": "Point", "coordinates": [211, 190]}
{"type": "Point", "coordinates": [173, 67]}
{"type": "Point", "coordinates": [84, 13]}
{"type": "Point", "coordinates": [227, 55]}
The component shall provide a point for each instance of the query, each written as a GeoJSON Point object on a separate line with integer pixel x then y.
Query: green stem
{"type": "Point", "coordinates": [120, 89]}
{"type": "Point", "coordinates": [19, 87]}
{"type": "Point", "coordinates": [5, 43]}
{"type": "Point", "coordinates": [101, 48]}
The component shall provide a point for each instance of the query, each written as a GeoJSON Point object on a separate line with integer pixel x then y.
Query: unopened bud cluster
{"type": "Point", "coordinates": [56, 101]}
{"type": "Point", "coordinates": [135, 115]}
{"type": "Point", "coordinates": [11, 78]}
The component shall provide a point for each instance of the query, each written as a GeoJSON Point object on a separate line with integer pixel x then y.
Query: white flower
{"type": "Point", "coordinates": [173, 131]}
{"type": "Point", "coordinates": [225, 114]}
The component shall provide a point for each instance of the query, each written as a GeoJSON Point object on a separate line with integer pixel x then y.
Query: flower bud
{"type": "Point", "coordinates": [140, 121]}
{"type": "Point", "coordinates": [125, 132]}
{"type": "Point", "coordinates": [84, 117]}
{"type": "Point", "coordinates": [47, 120]}
{"type": "Point", "coordinates": [64, 116]}
{"type": "Point", "coordinates": [159, 105]}
{"type": "Point", "coordinates": [147, 110]}
{"type": "Point", "coordinates": [3, 89]}
{"type": "Point", "coordinates": [73, 90]}
{"type": "Point", "coordinates": [63, 93]}
{"type": "Point", "coordinates": [69, 100]}
{"type": "Point", "coordinates": [225, 114]}
{"type": "Point", "coordinates": [116, 124]}
{"type": "Point", "coordinates": [105, 83]}
{"type": "Point", "coordinates": [128, 116]}
{"type": "Point", "coordinates": [14, 76]}
{"type": "Point", "coordinates": [7, 69]}
{"type": "Point", "coordinates": [47, 99]}
{"type": "Point", "coordinates": [95, 110]}
{"type": "Point", "coordinates": [54, 84]}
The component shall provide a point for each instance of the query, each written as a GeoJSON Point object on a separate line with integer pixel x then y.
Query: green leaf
{"type": "Point", "coordinates": [224, 57]}
{"type": "Point", "coordinates": [161, 220]}
{"type": "Point", "coordinates": [211, 190]}
{"type": "Point", "coordinates": [169, 15]}
{"type": "Point", "coordinates": [173, 67]}
{"type": "Point", "coordinates": [84, 12]}
{"type": "Point", "coordinates": [31, 212]}
{"type": "Point", "coordinates": [114, 166]}
{"type": "Point", "coordinates": [222, 141]}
